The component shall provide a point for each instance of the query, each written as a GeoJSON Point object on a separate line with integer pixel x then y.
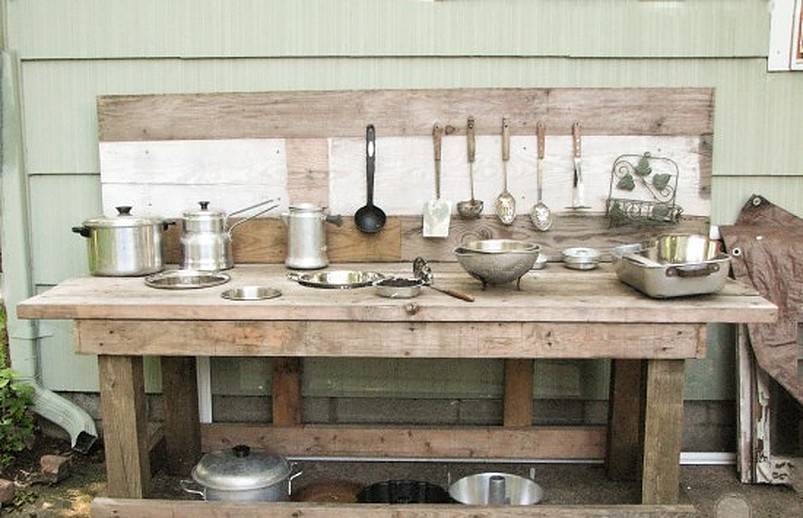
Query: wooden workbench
{"type": "Point", "coordinates": [558, 313]}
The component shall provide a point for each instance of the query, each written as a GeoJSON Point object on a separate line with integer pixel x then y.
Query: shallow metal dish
{"type": "Point", "coordinates": [251, 293]}
{"type": "Point", "coordinates": [581, 258]}
{"type": "Point", "coordinates": [474, 489]}
{"type": "Point", "coordinates": [336, 279]}
{"type": "Point", "coordinates": [655, 267]}
{"type": "Point", "coordinates": [499, 246]}
{"type": "Point", "coordinates": [186, 280]}
{"type": "Point", "coordinates": [499, 267]}
{"type": "Point", "coordinates": [398, 288]}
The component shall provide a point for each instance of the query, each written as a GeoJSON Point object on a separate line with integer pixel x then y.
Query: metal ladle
{"type": "Point", "coordinates": [370, 218]}
{"type": "Point", "coordinates": [470, 209]}
{"type": "Point", "coordinates": [423, 271]}
{"type": "Point", "coordinates": [505, 202]}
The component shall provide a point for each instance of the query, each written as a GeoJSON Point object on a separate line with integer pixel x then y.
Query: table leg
{"type": "Point", "coordinates": [663, 430]}
{"type": "Point", "coordinates": [625, 419]}
{"type": "Point", "coordinates": [125, 426]}
{"type": "Point", "coordinates": [182, 424]}
{"type": "Point", "coordinates": [518, 397]}
{"type": "Point", "coordinates": [286, 392]}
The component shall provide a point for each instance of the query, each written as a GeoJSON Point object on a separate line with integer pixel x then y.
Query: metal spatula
{"type": "Point", "coordinates": [437, 212]}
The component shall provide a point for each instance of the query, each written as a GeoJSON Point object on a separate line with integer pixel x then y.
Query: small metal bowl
{"type": "Point", "coordinates": [398, 288]}
{"type": "Point", "coordinates": [186, 280]}
{"type": "Point", "coordinates": [251, 293]}
{"type": "Point", "coordinates": [581, 258]}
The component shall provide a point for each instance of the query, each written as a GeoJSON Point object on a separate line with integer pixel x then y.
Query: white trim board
{"type": "Point", "coordinates": [783, 27]}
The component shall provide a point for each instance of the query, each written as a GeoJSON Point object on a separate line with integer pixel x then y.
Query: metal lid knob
{"type": "Point", "coordinates": [124, 210]}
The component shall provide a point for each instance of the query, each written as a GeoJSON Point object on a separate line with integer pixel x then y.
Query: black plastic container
{"type": "Point", "coordinates": [404, 492]}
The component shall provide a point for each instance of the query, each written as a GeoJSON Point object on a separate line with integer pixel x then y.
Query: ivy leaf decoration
{"type": "Point", "coordinates": [643, 168]}
{"type": "Point", "coordinates": [626, 183]}
{"type": "Point", "coordinates": [616, 214]}
{"type": "Point", "coordinates": [660, 212]}
{"type": "Point", "coordinates": [660, 181]}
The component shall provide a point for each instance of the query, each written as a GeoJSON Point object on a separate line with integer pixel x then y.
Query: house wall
{"type": "Point", "coordinates": [71, 52]}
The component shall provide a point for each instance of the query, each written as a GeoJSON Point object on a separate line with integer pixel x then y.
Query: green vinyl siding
{"type": "Point", "coordinates": [73, 51]}
{"type": "Point", "coordinates": [97, 29]}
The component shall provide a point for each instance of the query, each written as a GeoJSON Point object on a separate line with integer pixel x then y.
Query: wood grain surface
{"type": "Point", "coordinates": [182, 434]}
{"type": "Point", "coordinates": [541, 442]}
{"type": "Point", "coordinates": [122, 400]}
{"type": "Point", "coordinates": [517, 405]}
{"type": "Point", "coordinates": [388, 339]}
{"type": "Point", "coordinates": [663, 432]}
{"type": "Point", "coordinates": [326, 114]}
{"type": "Point", "coordinates": [555, 294]}
{"type": "Point", "coordinates": [131, 508]}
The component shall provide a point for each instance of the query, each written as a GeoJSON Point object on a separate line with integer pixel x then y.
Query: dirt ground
{"type": "Point", "coordinates": [703, 487]}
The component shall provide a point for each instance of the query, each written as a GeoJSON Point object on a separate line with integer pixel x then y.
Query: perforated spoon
{"type": "Point", "coordinates": [505, 202]}
{"type": "Point", "coordinates": [541, 216]}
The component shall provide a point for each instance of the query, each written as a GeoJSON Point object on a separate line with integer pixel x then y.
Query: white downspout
{"type": "Point", "coordinates": [17, 283]}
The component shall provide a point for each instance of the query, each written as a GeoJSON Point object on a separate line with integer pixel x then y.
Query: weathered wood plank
{"type": "Point", "coordinates": [325, 114]}
{"type": "Point", "coordinates": [518, 396]}
{"type": "Point", "coordinates": [387, 339]}
{"type": "Point", "coordinates": [119, 508]}
{"type": "Point", "coordinates": [745, 382]}
{"type": "Point", "coordinates": [567, 231]}
{"type": "Point", "coordinates": [308, 171]}
{"type": "Point", "coordinates": [181, 420]}
{"type": "Point", "coordinates": [625, 419]}
{"type": "Point", "coordinates": [286, 391]}
{"type": "Point", "coordinates": [663, 431]}
{"type": "Point", "coordinates": [125, 426]}
{"type": "Point", "coordinates": [552, 295]}
{"type": "Point", "coordinates": [264, 241]}
{"type": "Point", "coordinates": [405, 174]}
{"type": "Point", "coordinates": [552, 442]}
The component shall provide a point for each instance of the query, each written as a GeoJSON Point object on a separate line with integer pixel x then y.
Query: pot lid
{"type": "Point", "coordinates": [124, 218]}
{"type": "Point", "coordinates": [240, 468]}
{"type": "Point", "coordinates": [204, 212]}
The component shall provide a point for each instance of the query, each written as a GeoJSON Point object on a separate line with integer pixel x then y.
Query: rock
{"type": "Point", "coordinates": [54, 468]}
{"type": "Point", "coordinates": [7, 491]}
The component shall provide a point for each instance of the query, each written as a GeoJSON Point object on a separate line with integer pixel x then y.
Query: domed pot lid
{"type": "Point", "coordinates": [240, 468]}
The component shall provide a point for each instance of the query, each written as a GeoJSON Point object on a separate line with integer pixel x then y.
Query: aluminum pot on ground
{"type": "Point", "coordinates": [242, 474]}
{"type": "Point", "coordinates": [124, 245]}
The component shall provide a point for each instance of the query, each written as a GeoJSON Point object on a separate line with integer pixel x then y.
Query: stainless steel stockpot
{"type": "Point", "coordinates": [124, 245]}
{"type": "Point", "coordinates": [242, 474]}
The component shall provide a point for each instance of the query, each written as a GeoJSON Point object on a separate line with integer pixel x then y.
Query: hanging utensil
{"type": "Point", "coordinates": [505, 202]}
{"type": "Point", "coordinates": [470, 209]}
{"type": "Point", "coordinates": [423, 271]}
{"type": "Point", "coordinates": [541, 216]}
{"type": "Point", "coordinates": [437, 212]}
{"type": "Point", "coordinates": [578, 193]}
{"type": "Point", "coordinates": [370, 218]}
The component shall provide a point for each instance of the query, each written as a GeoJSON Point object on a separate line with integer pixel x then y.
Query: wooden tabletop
{"type": "Point", "coordinates": [555, 294]}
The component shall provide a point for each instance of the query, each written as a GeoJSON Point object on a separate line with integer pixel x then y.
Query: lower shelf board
{"type": "Point", "coordinates": [494, 442]}
{"type": "Point", "coordinates": [129, 508]}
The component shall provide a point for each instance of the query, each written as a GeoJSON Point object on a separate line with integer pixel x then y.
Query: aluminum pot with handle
{"type": "Point", "coordinates": [206, 236]}
{"type": "Point", "coordinates": [306, 236]}
{"type": "Point", "coordinates": [242, 474]}
{"type": "Point", "coordinates": [124, 245]}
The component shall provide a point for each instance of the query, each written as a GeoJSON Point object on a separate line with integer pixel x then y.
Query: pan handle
{"type": "Point", "coordinates": [186, 485]}
{"type": "Point", "coordinates": [84, 231]}
{"type": "Point", "coordinates": [294, 276]}
{"type": "Point", "coordinates": [692, 270]}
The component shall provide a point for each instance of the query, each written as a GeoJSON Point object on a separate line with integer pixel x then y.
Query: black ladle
{"type": "Point", "coordinates": [370, 218]}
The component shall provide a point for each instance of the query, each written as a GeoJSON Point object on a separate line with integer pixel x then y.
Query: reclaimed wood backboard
{"type": "Point", "coordinates": [164, 153]}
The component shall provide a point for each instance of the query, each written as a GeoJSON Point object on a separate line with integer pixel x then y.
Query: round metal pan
{"type": "Point", "coordinates": [336, 279]}
{"type": "Point", "coordinates": [245, 293]}
{"type": "Point", "coordinates": [186, 280]}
